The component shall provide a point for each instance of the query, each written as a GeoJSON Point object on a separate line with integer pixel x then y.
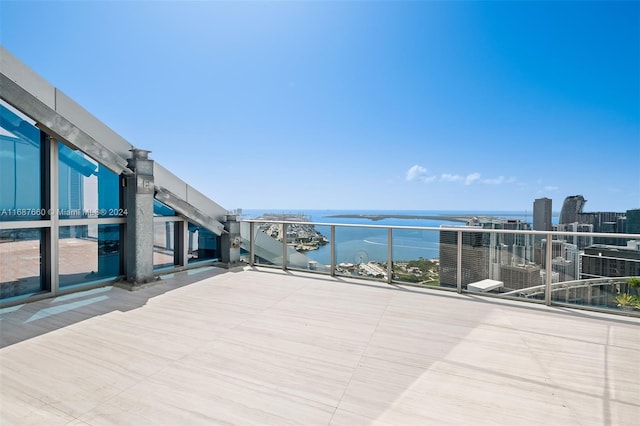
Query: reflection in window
{"type": "Point", "coordinates": [203, 244]}
{"type": "Point", "coordinates": [19, 167]}
{"type": "Point", "coordinates": [161, 209]}
{"type": "Point", "coordinates": [88, 253]}
{"type": "Point", "coordinates": [20, 262]}
{"type": "Point", "coordinates": [163, 244]}
{"type": "Point", "coordinates": [86, 189]}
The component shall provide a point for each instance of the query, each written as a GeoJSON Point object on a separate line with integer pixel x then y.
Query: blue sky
{"type": "Point", "coordinates": [361, 104]}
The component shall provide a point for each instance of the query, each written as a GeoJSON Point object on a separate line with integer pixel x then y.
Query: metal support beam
{"type": "Point", "coordinates": [50, 240]}
{"type": "Point", "coordinates": [58, 126]}
{"type": "Point", "coordinates": [187, 210]}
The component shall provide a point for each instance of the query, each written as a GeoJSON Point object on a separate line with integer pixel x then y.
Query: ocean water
{"type": "Point", "coordinates": [356, 245]}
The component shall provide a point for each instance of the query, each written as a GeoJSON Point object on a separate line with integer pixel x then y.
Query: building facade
{"type": "Point", "coordinates": [571, 208]}
{"type": "Point", "coordinates": [601, 260]}
{"type": "Point", "coordinates": [542, 214]}
{"type": "Point", "coordinates": [632, 223]}
{"type": "Point", "coordinates": [82, 207]}
{"type": "Point", "coordinates": [484, 254]}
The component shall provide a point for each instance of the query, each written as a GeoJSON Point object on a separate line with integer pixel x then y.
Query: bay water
{"type": "Point", "coordinates": [357, 244]}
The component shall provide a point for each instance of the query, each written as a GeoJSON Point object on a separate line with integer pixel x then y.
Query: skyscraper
{"type": "Point", "coordinates": [541, 216]}
{"type": "Point", "coordinates": [484, 253]}
{"type": "Point", "coordinates": [571, 208]}
{"type": "Point", "coordinates": [632, 225]}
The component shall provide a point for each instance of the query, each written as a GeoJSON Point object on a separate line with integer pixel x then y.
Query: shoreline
{"type": "Point", "coordinates": [376, 217]}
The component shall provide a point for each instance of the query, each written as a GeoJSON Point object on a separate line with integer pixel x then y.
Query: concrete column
{"type": "Point", "coordinates": [230, 241]}
{"type": "Point", "coordinates": [139, 191]}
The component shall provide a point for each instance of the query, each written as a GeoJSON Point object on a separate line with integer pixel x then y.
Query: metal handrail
{"type": "Point", "coordinates": [548, 287]}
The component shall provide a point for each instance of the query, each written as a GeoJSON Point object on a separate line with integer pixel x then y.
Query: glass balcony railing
{"type": "Point", "coordinates": [577, 269]}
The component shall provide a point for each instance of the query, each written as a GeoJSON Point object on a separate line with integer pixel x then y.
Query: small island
{"type": "Point", "coordinates": [463, 218]}
{"type": "Point", "coordinates": [376, 217]}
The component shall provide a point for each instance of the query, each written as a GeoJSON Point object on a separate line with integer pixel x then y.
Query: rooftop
{"type": "Point", "coordinates": [265, 346]}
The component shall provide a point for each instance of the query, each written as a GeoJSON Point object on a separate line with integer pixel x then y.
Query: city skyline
{"type": "Point", "coordinates": [359, 105]}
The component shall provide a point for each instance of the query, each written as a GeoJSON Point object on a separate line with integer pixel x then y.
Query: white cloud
{"type": "Point", "coordinates": [471, 178]}
{"type": "Point", "coordinates": [417, 173]}
{"type": "Point", "coordinates": [448, 177]}
{"type": "Point", "coordinates": [494, 181]}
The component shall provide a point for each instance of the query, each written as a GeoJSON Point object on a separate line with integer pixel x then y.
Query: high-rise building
{"type": "Point", "coordinates": [542, 214]}
{"type": "Point", "coordinates": [610, 228]}
{"type": "Point", "coordinates": [557, 250]}
{"type": "Point", "coordinates": [565, 269]}
{"type": "Point", "coordinates": [605, 222]}
{"type": "Point", "coordinates": [579, 241]}
{"type": "Point", "coordinates": [484, 253]}
{"type": "Point", "coordinates": [609, 222]}
{"type": "Point", "coordinates": [600, 260]}
{"type": "Point", "coordinates": [572, 254]}
{"type": "Point", "coordinates": [518, 277]}
{"type": "Point", "coordinates": [571, 207]}
{"type": "Point", "coordinates": [632, 224]}
{"type": "Point", "coordinates": [475, 258]}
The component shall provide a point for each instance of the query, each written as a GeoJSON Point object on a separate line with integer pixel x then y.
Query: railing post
{"type": "Point", "coordinates": [548, 271]}
{"type": "Point", "coordinates": [252, 244]}
{"type": "Point", "coordinates": [333, 250]}
{"type": "Point", "coordinates": [284, 246]}
{"type": "Point", "coordinates": [459, 263]}
{"type": "Point", "coordinates": [51, 235]}
{"type": "Point", "coordinates": [389, 255]}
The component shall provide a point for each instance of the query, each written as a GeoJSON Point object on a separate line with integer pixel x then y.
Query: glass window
{"type": "Point", "coordinates": [88, 253]}
{"type": "Point", "coordinates": [20, 262]}
{"type": "Point", "coordinates": [163, 244]}
{"type": "Point", "coordinates": [20, 195]}
{"type": "Point", "coordinates": [203, 244]}
{"type": "Point", "coordinates": [87, 189]}
{"type": "Point", "coordinates": [161, 209]}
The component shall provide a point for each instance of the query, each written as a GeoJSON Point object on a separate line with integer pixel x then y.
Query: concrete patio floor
{"type": "Point", "coordinates": [264, 346]}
